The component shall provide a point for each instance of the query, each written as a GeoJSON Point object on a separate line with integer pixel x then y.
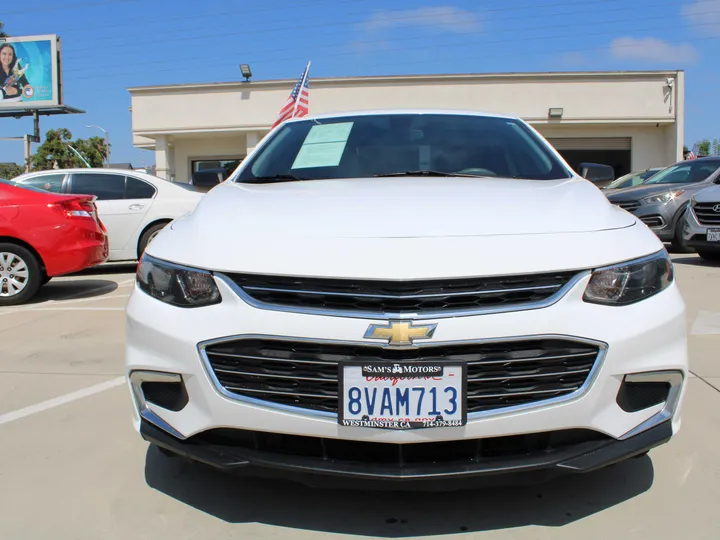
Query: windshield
{"type": "Point", "coordinates": [383, 144]}
{"type": "Point", "coordinates": [632, 179]}
{"type": "Point", "coordinates": [685, 173]}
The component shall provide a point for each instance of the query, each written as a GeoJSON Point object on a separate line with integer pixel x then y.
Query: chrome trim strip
{"type": "Point", "coordinates": [675, 378]}
{"type": "Point", "coordinates": [513, 394]}
{"type": "Point", "coordinates": [251, 357]}
{"type": "Point", "coordinates": [138, 377]}
{"type": "Point", "coordinates": [404, 297]}
{"type": "Point", "coordinates": [435, 314]}
{"type": "Point", "coordinates": [533, 359]}
{"type": "Point", "coordinates": [530, 376]}
{"type": "Point", "coordinates": [561, 400]}
{"type": "Point", "coordinates": [262, 375]}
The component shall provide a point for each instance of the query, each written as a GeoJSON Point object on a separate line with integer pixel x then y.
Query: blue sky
{"type": "Point", "coordinates": [111, 45]}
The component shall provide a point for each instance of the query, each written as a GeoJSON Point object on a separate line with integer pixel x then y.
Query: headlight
{"type": "Point", "coordinates": [665, 197]}
{"type": "Point", "coordinates": [630, 282]}
{"type": "Point", "coordinates": [177, 285]}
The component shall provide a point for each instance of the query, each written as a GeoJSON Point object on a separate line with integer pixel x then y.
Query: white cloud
{"type": "Point", "coordinates": [446, 18]}
{"type": "Point", "coordinates": [652, 49]}
{"type": "Point", "coordinates": [705, 14]}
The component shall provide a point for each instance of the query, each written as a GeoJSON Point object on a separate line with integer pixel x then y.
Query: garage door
{"type": "Point", "coordinates": [590, 143]}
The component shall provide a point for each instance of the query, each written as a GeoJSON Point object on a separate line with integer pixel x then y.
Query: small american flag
{"type": "Point", "coordinates": [691, 155]}
{"type": "Point", "coordinates": [298, 101]}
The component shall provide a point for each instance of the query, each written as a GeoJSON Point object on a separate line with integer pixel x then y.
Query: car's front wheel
{"type": "Point", "coordinates": [20, 274]}
{"type": "Point", "coordinates": [148, 236]}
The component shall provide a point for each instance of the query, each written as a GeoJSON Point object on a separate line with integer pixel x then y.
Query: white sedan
{"type": "Point", "coordinates": [133, 206]}
{"type": "Point", "coordinates": [407, 297]}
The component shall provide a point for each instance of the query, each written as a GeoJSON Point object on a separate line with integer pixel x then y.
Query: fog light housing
{"type": "Point", "coordinates": [643, 390]}
{"type": "Point", "coordinates": [165, 390]}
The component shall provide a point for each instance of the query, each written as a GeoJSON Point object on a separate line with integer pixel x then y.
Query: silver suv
{"type": "Point", "coordinates": [662, 200]}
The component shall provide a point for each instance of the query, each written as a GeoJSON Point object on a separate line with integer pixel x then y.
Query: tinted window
{"type": "Point", "coordinates": [105, 186]}
{"type": "Point", "coordinates": [46, 182]}
{"type": "Point", "coordinates": [685, 173]}
{"type": "Point", "coordinates": [368, 145]}
{"type": "Point", "coordinates": [137, 189]}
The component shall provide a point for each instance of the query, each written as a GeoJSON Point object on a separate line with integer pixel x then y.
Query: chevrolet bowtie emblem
{"type": "Point", "coordinates": [400, 332]}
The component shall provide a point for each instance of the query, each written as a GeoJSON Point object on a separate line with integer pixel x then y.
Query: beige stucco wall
{"type": "Point", "coordinates": [636, 104]}
{"type": "Point", "coordinates": [649, 144]}
{"type": "Point", "coordinates": [186, 149]}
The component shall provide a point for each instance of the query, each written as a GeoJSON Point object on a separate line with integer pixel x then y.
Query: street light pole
{"type": "Point", "coordinates": [107, 141]}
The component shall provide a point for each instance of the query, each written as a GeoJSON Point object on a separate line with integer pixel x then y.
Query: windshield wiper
{"type": "Point", "coordinates": [276, 178]}
{"type": "Point", "coordinates": [426, 173]}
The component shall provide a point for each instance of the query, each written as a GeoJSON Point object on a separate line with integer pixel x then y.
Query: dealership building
{"type": "Point", "coordinates": [630, 120]}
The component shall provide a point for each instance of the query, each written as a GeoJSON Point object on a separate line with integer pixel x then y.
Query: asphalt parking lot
{"type": "Point", "coordinates": [71, 466]}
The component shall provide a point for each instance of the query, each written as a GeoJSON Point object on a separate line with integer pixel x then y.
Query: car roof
{"type": "Point", "coordinates": [98, 170]}
{"type": "Point", "coordinates": [375, 112]}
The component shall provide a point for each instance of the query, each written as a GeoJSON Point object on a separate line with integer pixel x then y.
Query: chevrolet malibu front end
{"type": "Point", "coordinates": [406, 297]}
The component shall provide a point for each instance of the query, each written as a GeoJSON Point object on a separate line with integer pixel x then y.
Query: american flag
{"type": "Point", "coordinates": [691, 155]}
{"type": "Point", "coordinates": [298, 101]}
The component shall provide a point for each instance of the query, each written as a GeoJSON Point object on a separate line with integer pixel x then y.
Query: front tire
{"type": "Point", "coordinates": [20, 274]}
{"type": "Point", "coordinates": [147, 237]}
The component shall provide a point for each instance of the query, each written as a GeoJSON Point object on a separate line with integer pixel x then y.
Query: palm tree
{"type": "Point", "coordinates": [2, 34]}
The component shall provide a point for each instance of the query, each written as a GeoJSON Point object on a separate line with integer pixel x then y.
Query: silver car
{"type": "Point", "coordinates": [701, 224]}
{"type": "Point", "coordinates": [662, 200]}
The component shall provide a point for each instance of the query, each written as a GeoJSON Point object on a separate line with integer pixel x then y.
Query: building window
{"type": "Point", "coordinates": [209, 164]}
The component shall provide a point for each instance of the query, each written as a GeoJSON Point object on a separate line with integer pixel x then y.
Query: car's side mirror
{"type": "Point", "coordinates": [597, 173]}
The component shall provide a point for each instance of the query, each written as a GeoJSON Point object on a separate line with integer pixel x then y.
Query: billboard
{"type": "Point", "coordinates": [29, 72]}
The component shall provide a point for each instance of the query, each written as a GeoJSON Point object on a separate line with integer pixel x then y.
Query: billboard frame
{"type": "Point", "coordinates": [56, 74]}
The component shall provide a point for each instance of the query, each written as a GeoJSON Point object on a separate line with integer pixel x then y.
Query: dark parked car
{"type": "Point", "coordinates": [661, 201]}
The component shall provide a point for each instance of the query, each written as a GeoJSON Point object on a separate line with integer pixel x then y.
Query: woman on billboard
{"type": "Point", "coordinates": [13, 82]}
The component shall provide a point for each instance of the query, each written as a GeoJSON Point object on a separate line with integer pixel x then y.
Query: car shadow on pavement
{"type": "Point", "coordinates": [110, 268]}
{"type": "Point", "coordinates": [77, 289]}
{"type": "Point", "coordinates": [236, 499]}
{"type": "Point", "coordinates": [695, 261]}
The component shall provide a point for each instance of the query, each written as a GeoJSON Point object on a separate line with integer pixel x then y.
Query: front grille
{"type": "Point", "coordinates": [653, 221]}
{"type": "Point", "coordinates": [630, 206]}
{"type": "Point", "coordinates": [414, 297]}
{"type": "Point", "coordinates": [706, 215]}
{"type": "Point", "coordinates": [305, 374]}
{"type": "Point", "coordinates": [428, 453]}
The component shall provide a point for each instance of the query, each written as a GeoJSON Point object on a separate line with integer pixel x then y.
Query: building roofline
{"type": "Point", "coordinates": [329, 81]}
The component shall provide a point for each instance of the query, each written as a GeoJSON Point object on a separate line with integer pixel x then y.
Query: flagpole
{"type": "Point", "coordinates": [302, 84]}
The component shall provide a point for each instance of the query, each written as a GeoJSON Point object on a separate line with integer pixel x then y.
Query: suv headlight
{"type": "Point", "coordinates": [665, 197]}
{"type": "Point", "coordinates": [177, 285]}
{"type": "Point", "coordinates": [630, 282]}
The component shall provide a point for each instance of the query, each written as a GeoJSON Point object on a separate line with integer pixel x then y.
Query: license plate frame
{"type": "Point", "coordinates": [458, 369]}
{"type": "Point", "coordinates": [715, 233]}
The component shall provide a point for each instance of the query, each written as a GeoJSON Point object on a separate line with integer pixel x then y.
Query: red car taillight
{"type": "Point", "coordinates": [82, 208]}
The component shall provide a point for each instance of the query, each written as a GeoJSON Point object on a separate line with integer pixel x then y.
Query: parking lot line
{"type": "Point", "coordinates": [58, 401]}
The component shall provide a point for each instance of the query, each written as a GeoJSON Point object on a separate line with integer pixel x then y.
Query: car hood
{"type": "Point", "coordinates": [407, 208]}
{"type": "Point", "coordinates": [404, 228]}
{"type": "Point", "coordinates": [642, 191]}
{"type": "Point", "coordinates": [709, 194]}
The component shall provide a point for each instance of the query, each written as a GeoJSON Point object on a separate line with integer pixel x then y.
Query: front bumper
{"type": "Point", "coordinates": [695, 234]}
{"type": "Point", "coordinates": [322, 470]}
{"type": "Point", "coordinates": [649, 336]}
{"type": "Point", "coordinates": [660, 218]}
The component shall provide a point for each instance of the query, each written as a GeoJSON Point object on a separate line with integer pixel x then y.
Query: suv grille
{"type": "Point", "coordinates": [305, 374]}
{"type": "Point", "coordinates": [440, 296]}
{"type": "Point", "coordinates": [630, 206]}
{"type": "Point", "coordinates": [706, 215]}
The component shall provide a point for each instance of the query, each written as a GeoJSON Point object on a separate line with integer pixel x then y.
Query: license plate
{"type": "Point", "coordinates": [404, 395]}
{"type": "Point", "coordinates": [713, 235]}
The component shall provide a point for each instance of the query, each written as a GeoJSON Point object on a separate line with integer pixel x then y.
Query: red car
{"type": "Point", "coordinates": [43, 235]}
